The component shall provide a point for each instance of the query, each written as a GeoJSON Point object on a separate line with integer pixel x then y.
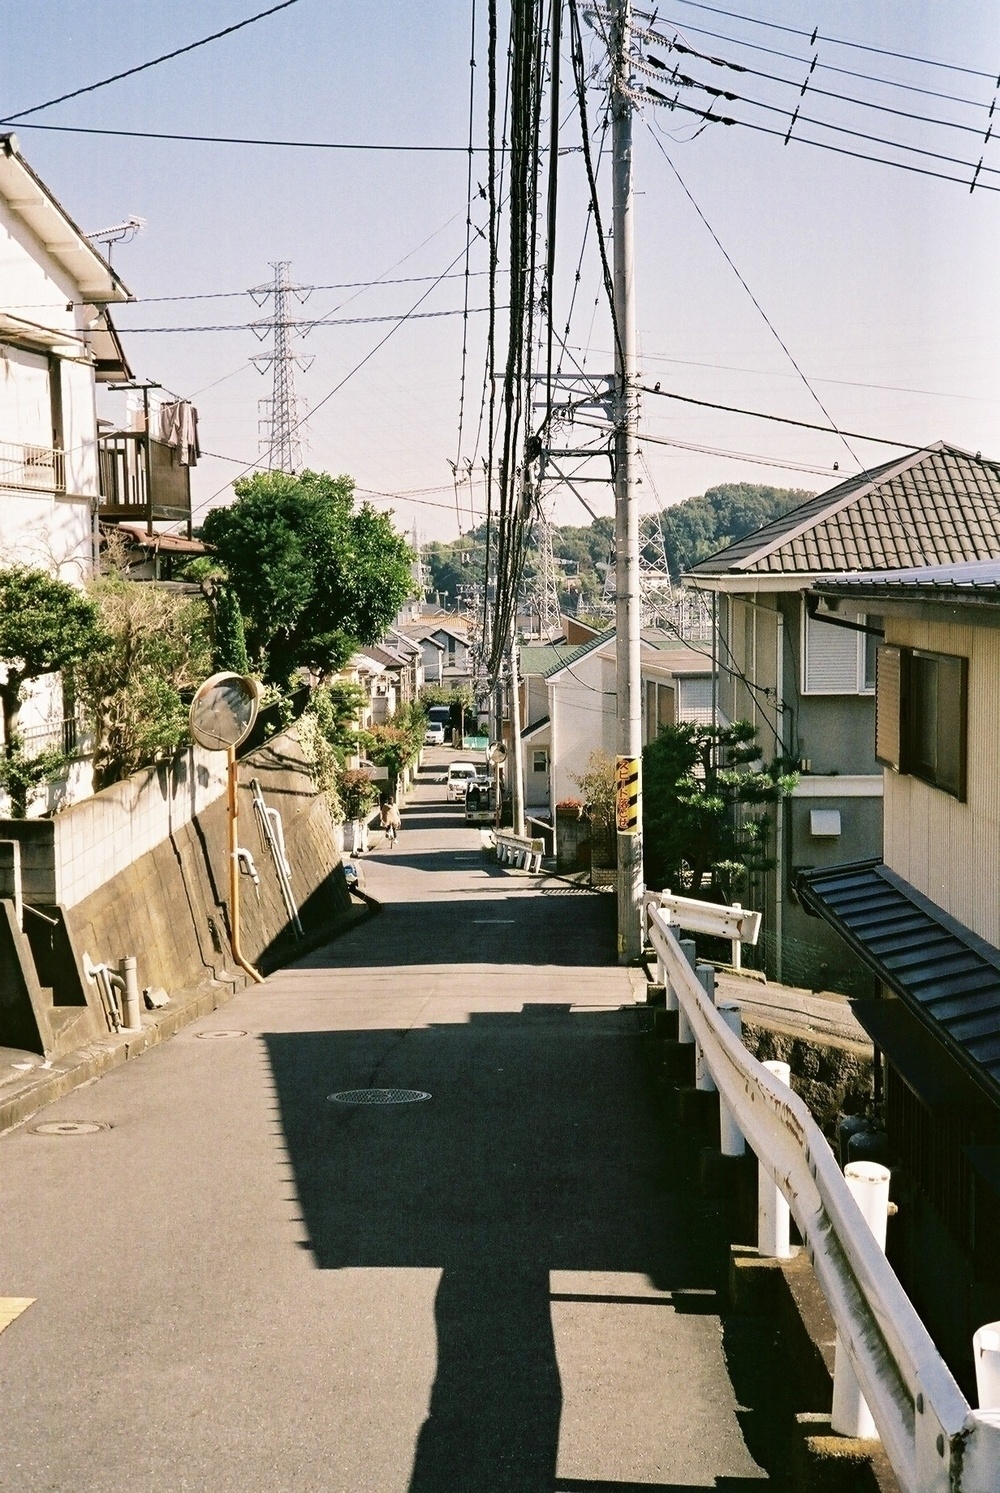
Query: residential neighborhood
{"type": "Point", "coordinates": [499, 731]}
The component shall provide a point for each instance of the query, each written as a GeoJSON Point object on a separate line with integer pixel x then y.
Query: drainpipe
{"type": "Point", "coordinates": [130, 989]}
{"type": "Point", "coordinates": [234, 868]}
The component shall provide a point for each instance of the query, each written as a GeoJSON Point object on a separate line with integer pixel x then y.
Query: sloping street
{"type": "Point", "coordinates": [244, 1281]}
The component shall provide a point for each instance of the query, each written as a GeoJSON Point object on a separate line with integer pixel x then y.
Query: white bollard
{"type": "Point", "coordinates": [773, 1218]}
{"type": "Point", "coordinates": [869, 1185]}
{"type": "Point", "coordinates": [736, 946]}
{"type": "Point", "coordinates": [684, 1032]}
{"type": "Point", "coordinates": [702, 1077]}
{"type": "Point", "coordinates": [731, 1141]}
{"type": "Point", "coordinates": [986, 1351]}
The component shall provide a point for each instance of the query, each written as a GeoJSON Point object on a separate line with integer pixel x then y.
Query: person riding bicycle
{"type": "Point", "coordinates": [390, 820]}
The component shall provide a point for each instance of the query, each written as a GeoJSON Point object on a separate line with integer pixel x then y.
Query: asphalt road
{"type": "Point", "coordinates": [244, 1283]}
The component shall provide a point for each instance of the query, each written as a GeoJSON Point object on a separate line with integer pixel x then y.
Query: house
{"type": "Point", "coordinates": [445, 643]}
{"type": "Point", "coordinates": [925, 921]}
{"type": "Point", "coordinates": [56, 344]}
{"type": "Point", "coordinates": [807, 682]}
{"type": "Point", "coordinates": [570, 699]}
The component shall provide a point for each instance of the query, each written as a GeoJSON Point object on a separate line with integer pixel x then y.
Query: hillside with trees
{"type": "Point", "coordinates": [692, 530]}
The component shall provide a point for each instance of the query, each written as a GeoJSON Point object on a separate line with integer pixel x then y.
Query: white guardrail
{"type": "Point", "coordinates": [519, 850]}
{"type": "Point", "coordinates": [935, 1442]}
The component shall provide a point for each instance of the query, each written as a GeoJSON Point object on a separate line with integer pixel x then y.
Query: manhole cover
{"type": "Point", "coordinates": [217, 1036]}
{"type": "Point", "coordinates": [379, 1096]}
{"type": "Point", "coordinates": [70, 1127]}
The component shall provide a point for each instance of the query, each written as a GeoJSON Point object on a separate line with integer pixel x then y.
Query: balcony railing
{"type": "Point", "coordinates": [142, 480]}
{"type": "Point", "coordinates": [68, 736]}
{"type": "Point", "coordinates": [37, 468]}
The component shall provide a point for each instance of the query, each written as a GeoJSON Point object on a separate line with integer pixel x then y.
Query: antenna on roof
{"type": "Point", "coordinates": [118, 233]}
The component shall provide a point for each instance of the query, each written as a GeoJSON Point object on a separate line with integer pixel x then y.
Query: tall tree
{"type": "Point", "coordinates": [705, 798]}
{"type": "Point", "coordinates": [315, 576]}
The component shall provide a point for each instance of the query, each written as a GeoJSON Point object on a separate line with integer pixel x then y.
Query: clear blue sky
{"type": "Point", "coordinates": [873, 277]}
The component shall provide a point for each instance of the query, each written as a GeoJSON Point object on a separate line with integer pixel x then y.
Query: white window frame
{"type": "Point", "coordinates": [861, 687]}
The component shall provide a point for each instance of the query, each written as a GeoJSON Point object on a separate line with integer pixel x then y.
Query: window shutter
{"type": "Point", "coordinates": [831, 664]}
{"type": "Point", "coordinates": [889, 675]}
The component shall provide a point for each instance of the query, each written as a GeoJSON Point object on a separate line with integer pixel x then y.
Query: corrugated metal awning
{"type": "Point", "coordinates": [944, 972]}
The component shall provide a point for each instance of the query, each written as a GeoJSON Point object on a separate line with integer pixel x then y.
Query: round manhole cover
{"type": "Point", "coordinates": [220, 1036]}
{"type": "Point", "coordinates": [379, 1096]}
{"type": "Point", "coordinates": [70, 1127]}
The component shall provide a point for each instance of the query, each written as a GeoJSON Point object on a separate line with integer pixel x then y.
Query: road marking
{"type": "Point", "coordinates": [11, 1307]}
{"type": "Point", "coordinates": [494, 920]}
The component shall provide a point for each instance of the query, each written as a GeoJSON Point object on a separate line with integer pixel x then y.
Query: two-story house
{"type": "Point", "coordinates": [808, 684]}
{"type": "Point", "coordinates": [925, 920]}
{"type": "Point", "coordinates": [56, 344]}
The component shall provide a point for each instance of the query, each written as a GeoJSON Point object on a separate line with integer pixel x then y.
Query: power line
{"type": "Point", "coordinates": [343, 321]}
{"type": "Point", "coordinates": [733, 409]}
{"type": "Point", "coordinates": [77, 129]}
{"type": "Point", "coordinates": [763, 314]}
{"type": "Point", "coordinates": [797, 117]}
{"type": "Point", "coordinates": [155, 61]}
{"type": "Point", "coordinates": [703, 450]}
{"type": "Point", "coordinates": [858, 155]}
{"type": "Point", "coordinates": [837, 41]}
{"type": "Point", "coordinates": [826, 67]}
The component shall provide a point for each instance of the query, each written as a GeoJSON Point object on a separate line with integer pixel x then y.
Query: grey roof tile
{"type": "Point", "coordinates": [935, 507]}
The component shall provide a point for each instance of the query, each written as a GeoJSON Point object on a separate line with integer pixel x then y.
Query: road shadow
{"type": "Point", "coordinates": [541, 1148]}
{"type": "Point", "coordinates": [503, 922]}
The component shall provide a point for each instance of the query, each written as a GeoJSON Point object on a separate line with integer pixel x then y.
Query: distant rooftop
{"type": "Point", "coordinates": [938, 506]}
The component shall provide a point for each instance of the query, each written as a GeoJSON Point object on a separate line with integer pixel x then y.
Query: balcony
{"type": "Point", "coordinates": [142, 481]}
{"type": "Point", "coordinates": [33, 468]}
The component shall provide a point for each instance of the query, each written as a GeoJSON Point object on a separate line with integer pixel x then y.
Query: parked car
{"type": "Point", "coordinates": [460, 775]}
{"type": "Point", "coordinates": [434, 735]}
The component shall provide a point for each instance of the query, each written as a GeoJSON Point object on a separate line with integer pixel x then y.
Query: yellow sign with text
{"type": "Point", "coordinates": [627, 795]}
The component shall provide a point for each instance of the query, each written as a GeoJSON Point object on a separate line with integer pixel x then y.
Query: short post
{"type": "Point", "coordinates": [737, 946]}
{"type": "Point", "coordinates": [731, 1141]}
{"type": "Point", "coordinates": [702, 1077]}
{"type": "Point", "coordinates": [986, 1351]}
{"type": "Point", "coordinates": [684, 1032]}
{"type": "Point", "coordinates": [132, 1003]}
{"type": "Point", "coordinates": [773, 1218]}
{"type": "Point", "coordinates": [869, 1185]}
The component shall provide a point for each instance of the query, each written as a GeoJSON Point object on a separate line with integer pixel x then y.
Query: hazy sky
{"type": "Point", "coordinates": [882, 284]}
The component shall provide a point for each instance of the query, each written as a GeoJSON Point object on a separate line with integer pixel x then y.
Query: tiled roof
{"type": "Point", "coordinates": [947, 975]}
{"type": "Point", "coordinates": [974, 580]}
{"type": "Point", "coordinates": [540, 658]}
{"type": "Point", "coordinates": [936, 507]}
{"type": "Point", "coordinates": [580, 651]}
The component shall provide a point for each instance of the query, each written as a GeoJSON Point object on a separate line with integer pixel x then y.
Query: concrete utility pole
{"type": "Point", "coordinates": [628, 604]}
{"type": "Point", "coordinates": [517, 745]}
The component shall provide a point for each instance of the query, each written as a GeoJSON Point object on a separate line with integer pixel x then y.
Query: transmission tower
{"type": "Point", "coordinates": [282, 416]}
{"type": "Point", "coordinates": [543, 597]}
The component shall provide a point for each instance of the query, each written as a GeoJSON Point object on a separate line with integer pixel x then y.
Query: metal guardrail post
{"type": "Point", "coordinates": [773, 1217]}
{"type": "Point", "coordinates": [702, 1077]}
{"type": "Point", "coordinates": [869, 1185]}
{"type": "Point", "coordinates": [684, 1032]}
{"type": "Point", "coordinates": [986, 1351]}
{"type": "Point", "coordinates": [731, 1140]}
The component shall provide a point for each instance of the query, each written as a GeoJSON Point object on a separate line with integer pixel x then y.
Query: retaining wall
{"type": "Point", "coordinates": [160, 889]}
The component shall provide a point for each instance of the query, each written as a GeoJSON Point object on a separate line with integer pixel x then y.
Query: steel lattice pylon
{"type": "Point", "coordinates": [281, 416]}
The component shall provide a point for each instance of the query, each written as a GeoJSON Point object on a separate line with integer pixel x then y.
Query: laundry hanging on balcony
{"type": "Point", "coordinates": [178, 427]}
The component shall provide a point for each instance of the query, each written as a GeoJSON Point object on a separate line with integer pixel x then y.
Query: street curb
{"type": "Point", "coordinates": [92, 1062]}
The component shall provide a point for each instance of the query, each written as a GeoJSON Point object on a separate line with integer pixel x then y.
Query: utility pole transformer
{"type": "Point", "coordinates": [628, 603]}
